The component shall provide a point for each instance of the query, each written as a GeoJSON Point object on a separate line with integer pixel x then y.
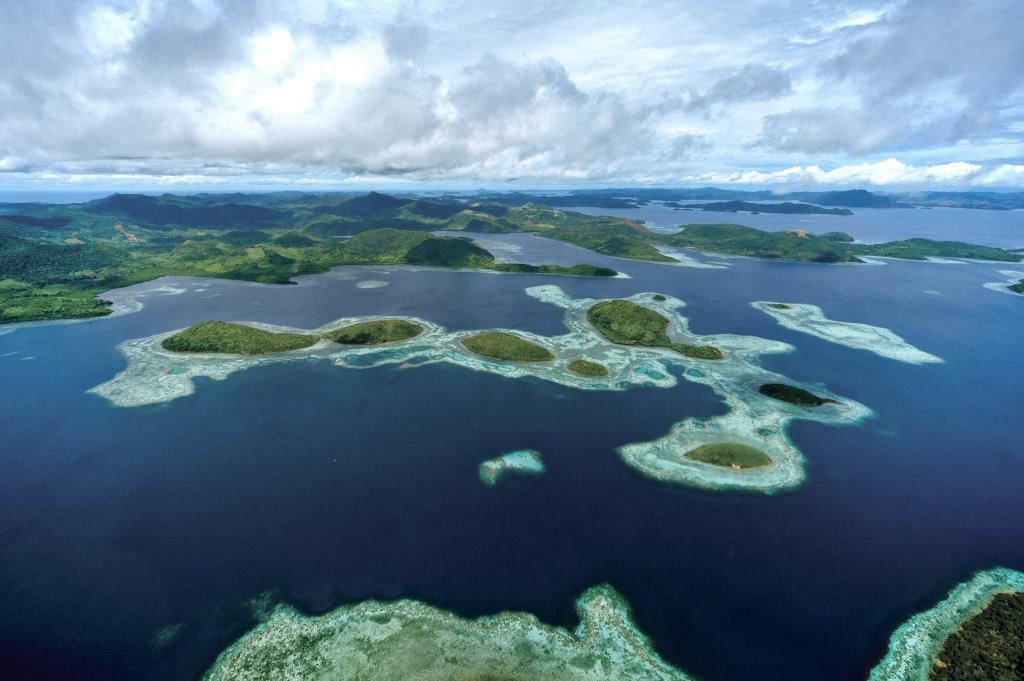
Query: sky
{"type": "Point", "coordinates": [332, 94]}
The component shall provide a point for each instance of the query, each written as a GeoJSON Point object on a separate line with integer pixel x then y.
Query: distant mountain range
{"type": "Point", "coordinates": [628, 197]}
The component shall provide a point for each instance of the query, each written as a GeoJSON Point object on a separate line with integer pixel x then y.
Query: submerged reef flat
{"type": "Point", "coordinates": [411, 641]}
{"type": "Point", "coordinates": [881, 341]}
{"type": "Point", "coordinates": [155, 375]}
{"type": "Point", "coordinates": [521, 462]}
{"type": "Point", "coordinates": [915, 647]}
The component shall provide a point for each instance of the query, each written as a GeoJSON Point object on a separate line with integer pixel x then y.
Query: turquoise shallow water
{"type": "Point", "coordinates": [330, 485]}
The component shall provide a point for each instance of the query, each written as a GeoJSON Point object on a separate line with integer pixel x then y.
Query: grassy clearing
{"type": "Point", "coordinates": [730, 455]}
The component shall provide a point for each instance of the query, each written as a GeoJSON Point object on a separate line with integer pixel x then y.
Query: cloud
{"type": "Point", "coordinates": [554, 90]}
{"type": "Point", "coordinates": [890, 172]}
{"type": "Point", "coordinates": [752, 83]}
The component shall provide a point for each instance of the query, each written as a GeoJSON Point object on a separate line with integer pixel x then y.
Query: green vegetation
{"type": "Point", "coordinates": [793, 395]}
{"type": "Point", "coordinates": [660, 298]}
{"type": "Point", "coordinates": [235, 339]}
{"type": "Point", "coordinates": [572, 271]}
{"type": "Point", "coordinates": [375, 332]}
{"type": "Point", "coordinates": [740, 240]}
{"type": "Point", "coordinates": [730, 455]}
{"type": "Point", "coordinates": [1018, 287]}
{"type": "Point", "coordinates": [990, 645]}
{"type": "Point", "coordinates": [749, 207]}
{"type": "Point", "coordinates": [841, 237]}
{"type": "Point", "coordinates": [506, 346]}
{"type": "Point", "coordinates": [587, 368]}
{"type": "Point", "coordinates": [779, 306]}
{"type": "Point", "coordinates": [802, 245]}
{"type": "Point", "coordinates": [621, 240]}
{"type": "Point", "coordinates": [626, 323]}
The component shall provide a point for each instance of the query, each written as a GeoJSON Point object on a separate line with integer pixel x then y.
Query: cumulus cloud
{"type": "Point", "coordinates": [333, 90]}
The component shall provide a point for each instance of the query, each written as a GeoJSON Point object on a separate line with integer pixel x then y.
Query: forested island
{"type": "Point", "coordinates": [990, 645]}
{"type": "Point", "coordinates": [56, 259]}
{"type": "Point", "coordinates": [793, 395]}
{"type": "Point", "coordinates": [506, 346]}
{"type": "Point", "coordinates": [235, 339]}
{"type": "Point", "coordinates": [375, 332]}
{"type": "Point", "coordinates": [730, 455]}
{"type": "Point", "coordinates": [786, 207]}
{"type": "Point", "coordinates": [626, 323]}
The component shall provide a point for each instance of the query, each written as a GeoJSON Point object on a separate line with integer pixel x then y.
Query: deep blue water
{"type": "Point", "coordinates": [329, 485]}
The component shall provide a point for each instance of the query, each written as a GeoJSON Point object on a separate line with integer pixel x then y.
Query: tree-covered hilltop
{"type": "Point", "coordinates": [235, 339]}
{"type": "Point", "coordinates": [506, 346]}
{"type": "Point", "coordinates": [990, 645]}
{"type": "Point", "coordinates": [375, 332]}
{"type": "Point", "coordinates": [626, 323]}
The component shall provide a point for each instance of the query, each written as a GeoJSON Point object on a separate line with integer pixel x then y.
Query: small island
{"type": "Point", "coordinates": [235, 339]}
{"type": "Point", "coordinates": [1018, 287]}
{"type": "Point", "coordinates": [730, 455]}
{"type": "Point", "coordinates": [793, 395]}
{"type": "Point", "coordinates": [521, 462]}
{"type": "Point", "coordinates": [659, 298]}
{"type": "Point", "coordinates": [626, 323]}
{"type": "Point", "coordinates": [587, 368]}
{"type": "Point", "coordinates": [375, 332]}
{"type": "Point", "coordinates": [506, 346]}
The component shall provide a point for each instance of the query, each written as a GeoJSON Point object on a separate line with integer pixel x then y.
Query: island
{"type": "Point", "coordinates": [585, 367]}
{"type": "Point", "coordinates": [788, 207]}
{"type": "Point", "coordinates": [976, 632]}
{"type": "Point", "coordinates": [1018, 287]}
{"type": "Point", "coordinates": [793, 395]}
{"type": "Point", "coordinates": [506, 346]}
{"type": "Point", "coordinates": [520, 462]}
{"type": "Point", "coordinates": [57, 261]}
{"type": "Point", "coordinates": [404, 640]}
{"type": "Point", "coordinates": [730, 455]}
{"type": "Point", "coordinates": [375, 332]}
{"type": "Point", "coordinates": [235, 339]}
{"type": "Point", "coordinates": [626, 323]}
{"type": "Point", "coordinates": [152, 375]}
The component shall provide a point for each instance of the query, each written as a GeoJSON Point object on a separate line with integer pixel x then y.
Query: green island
{"type": "Point", "coordinates": [626, 323]}
{"type": "Point", "coordinates": [729, 455]}
{"type": "Point", "coordinates": [411, 641]}
{"type": "Point", "coordinates": [779, 306]}
{"type": "Point", "coordinates": [802, 245]}
{"type": "Point", "coordinates": [375, 332]}
{"type": "Point", "coordinates": [1018, 287]}
{"type": "Point", "coordinates": [506, 346]}
{"type": "Point", "coordinates": [989, 645]}
{"type": "Point", "coordinates": [787, 207]}
{"type": "Point", "coordinates": [659, 298]}
{"type": "Point", "coordinates": [793, 395]}
{"type": "Point", "coordinates": [56, 261]}
{"type": "Point", "coordinates": [235, 339]}
{"type": "Point", "coordinates": [587, 368]}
